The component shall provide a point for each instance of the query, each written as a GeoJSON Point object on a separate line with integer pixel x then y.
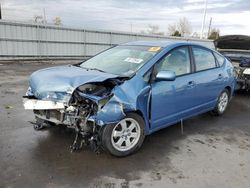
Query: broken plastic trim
{"type": "Point", "coordinates": [33, 104]}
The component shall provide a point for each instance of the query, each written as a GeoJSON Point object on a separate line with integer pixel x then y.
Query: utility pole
{"type": "Point", "coordinates": [209, 28]}
{"type": "Point", "coordinates": [204, 18]}
{"type": "Point", "coordinates": [44, 16]}
{"type": "Point", "coordinates": [0, 12]}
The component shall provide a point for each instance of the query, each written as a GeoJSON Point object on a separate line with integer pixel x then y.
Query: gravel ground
{"type": "Point", "coordinates": [212, 152]}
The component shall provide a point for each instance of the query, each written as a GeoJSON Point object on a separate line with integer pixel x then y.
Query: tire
{"type": "Point", "coordinates": [222, 103]}
{"type": "Point", "coordinates": [125, 137]}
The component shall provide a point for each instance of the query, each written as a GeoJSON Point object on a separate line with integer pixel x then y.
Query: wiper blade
{"type": "Point", "coordinates": [95, 69]}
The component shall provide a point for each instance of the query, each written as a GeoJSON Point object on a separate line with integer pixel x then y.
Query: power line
{"type": "Point", "coordinates": [0, 12]}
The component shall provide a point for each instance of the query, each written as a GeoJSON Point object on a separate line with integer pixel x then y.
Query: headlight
{"type": "Point", "coordinates": [58, 96]}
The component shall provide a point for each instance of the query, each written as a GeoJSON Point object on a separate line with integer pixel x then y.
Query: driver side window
{"type": "Point", "coordinates": [177, 60]}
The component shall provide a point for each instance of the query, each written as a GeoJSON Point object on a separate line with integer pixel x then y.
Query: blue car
{"type": "Point", "coordinates": [116, 98]}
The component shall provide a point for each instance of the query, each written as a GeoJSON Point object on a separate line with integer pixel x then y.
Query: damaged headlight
{"type": "Point", "coordinates": [29, 92]}
{"type": "Point", "coordinates": [57, 96]}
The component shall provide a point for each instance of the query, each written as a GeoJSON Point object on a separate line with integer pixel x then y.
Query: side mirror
{"type": "Point", "coordinates": [165, 76]}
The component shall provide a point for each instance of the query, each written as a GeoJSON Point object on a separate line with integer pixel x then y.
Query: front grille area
{"type": "Point", "coordinates": [247, 76]}
{"type": "Point", "coordinates": [50, 114]}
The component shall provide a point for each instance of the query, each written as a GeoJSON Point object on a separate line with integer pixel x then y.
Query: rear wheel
{"type": "Point", "coordinates": [125, 137]}
{"type": "Point", "coordinates": [222, 103]}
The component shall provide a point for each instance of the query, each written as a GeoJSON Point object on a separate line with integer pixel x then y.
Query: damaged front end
{"type": "Point", "coordinates": [78, 109]}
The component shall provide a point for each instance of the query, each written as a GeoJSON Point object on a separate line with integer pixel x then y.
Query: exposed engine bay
{"type": "Point", "coordinates": [84, 103]}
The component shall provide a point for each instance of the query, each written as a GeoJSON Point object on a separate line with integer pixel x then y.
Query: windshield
{"type": "Point", "coordinates": [121, 60]}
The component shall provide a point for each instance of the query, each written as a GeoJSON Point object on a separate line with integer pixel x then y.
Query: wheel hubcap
{"type": "Point", "coordinates": [223, 101]}
{"type": "Point", "coordinates": [125, 134]}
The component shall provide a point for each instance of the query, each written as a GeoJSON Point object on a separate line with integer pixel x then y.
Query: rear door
{"type": "Point", "coordinates": [208, 78]}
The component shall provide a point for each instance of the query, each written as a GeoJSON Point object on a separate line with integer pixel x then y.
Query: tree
{"type": "Point", "coordinates": [176, 34]}
{"type": "Point", "coordinates": [181, 28]}
{"type": "Point", "coordinates": [172, 30]}
{"type": "Point", "coordinates": [214, 34]}
{"type": "Point", "coordinates": [184, 26]}
{"type": "Point", "coordinates": [38, 19]}
{"type": "Point", "coordinates": [153, 30]}
{"type": "Point", "coordinates": [57, 21]}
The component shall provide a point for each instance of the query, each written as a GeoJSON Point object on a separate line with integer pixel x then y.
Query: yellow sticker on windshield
{"type": "Point", "coordinates": [154, 49]}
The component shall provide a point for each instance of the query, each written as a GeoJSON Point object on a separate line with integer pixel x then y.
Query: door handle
{"type": "Point", "coordinates": [220, 76]}
{"type": "Point", "coordinates": [191, 84]}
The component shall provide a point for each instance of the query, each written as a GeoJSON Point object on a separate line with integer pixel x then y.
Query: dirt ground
{"type": "Point", "coordinates": [212, 152]}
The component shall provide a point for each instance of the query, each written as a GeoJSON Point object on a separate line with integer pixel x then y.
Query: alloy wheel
{"type": "Point", "coordinates": [223, 102]}
{"type": "Point", "coordinates": [125, 134]}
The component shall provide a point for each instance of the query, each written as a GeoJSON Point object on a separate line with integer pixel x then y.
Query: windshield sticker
{"type": "Point", "coordinates": [154, 49]}
{"type": "Point", "coordinates": [133, 60]}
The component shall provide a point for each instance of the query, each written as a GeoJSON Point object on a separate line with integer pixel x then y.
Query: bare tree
{"type": "Point", "coordinates": [171, 29]}
{"type": "Point", "coordinates": [181, 28]}
{"type": "Point", "coordinates": [152, 29]}
{"type": "Point", "coordinates": [57, 21]}
{"type": "Point", "coordinates": [214, 34]}
{"type": "Point", "coordinates": [38, 19]}
{"type": "Point", "coordinates": [184, 26]}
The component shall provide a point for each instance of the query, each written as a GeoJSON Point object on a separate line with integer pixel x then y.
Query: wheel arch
{"type": "Point", "coordinates": [229, 90]}
{"type": "Point", "coordinates": [146, 121]}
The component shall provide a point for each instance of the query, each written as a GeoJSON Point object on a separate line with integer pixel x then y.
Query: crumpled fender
{"type": "Point", "coordinates": [114, 110]}
{"type": "Point", "coordinates": [110, 113]}
{"type": "Point", "coordinates": [124, 100]}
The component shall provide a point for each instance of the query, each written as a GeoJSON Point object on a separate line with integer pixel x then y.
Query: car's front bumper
{"type": "Point", "coordinates": [34, 104]}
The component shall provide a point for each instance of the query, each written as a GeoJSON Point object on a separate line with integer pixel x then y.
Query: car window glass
{"type": "Point", "coordinates": [204, 59]}
{"type": "Point", "coordinates": [220, 59]}
{"type": "Point", "coordinates": [121, 60]}
{"type": "Point", "coordinates": [177, 61]}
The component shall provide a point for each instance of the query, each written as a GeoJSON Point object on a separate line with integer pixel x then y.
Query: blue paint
{"type": "Point", "coordinates": [161, 103]}
{"type": "Point", "coordinates": [63, 80]}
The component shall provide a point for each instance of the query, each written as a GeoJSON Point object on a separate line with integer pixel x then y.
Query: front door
{"type": "Point", "coordinates": [172, 100]}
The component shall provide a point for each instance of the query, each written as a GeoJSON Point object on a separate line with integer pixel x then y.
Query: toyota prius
{"type": "Point", "coordinates": [116, 98]}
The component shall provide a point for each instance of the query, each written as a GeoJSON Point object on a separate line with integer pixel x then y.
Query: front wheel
{"type": "Point", "coordinates": [222, 103]}
{"type": "Point", "coordinates": [125, 137]}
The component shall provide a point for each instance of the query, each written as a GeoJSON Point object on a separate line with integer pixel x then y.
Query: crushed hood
{"type": "Point", "coordinates": [59, 82]}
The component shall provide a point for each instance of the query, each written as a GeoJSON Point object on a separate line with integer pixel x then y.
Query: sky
{"type": "Point", "coordinates": [229, 16]}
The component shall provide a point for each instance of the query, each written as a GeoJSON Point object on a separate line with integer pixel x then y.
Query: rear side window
{"type": "Point", "coordinates": [204, 59]}
{"type": "Point", "coordinates": [220, 59]}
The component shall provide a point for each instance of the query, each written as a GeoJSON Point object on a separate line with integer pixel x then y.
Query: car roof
{"type": "Point", "coordinates": [161, 43]}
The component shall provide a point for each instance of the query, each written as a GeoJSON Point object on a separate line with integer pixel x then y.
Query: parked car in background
{"type": "Point", "coordinates": [119, 96]}
{"type": "Point", "coordinates": [243, 74]}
